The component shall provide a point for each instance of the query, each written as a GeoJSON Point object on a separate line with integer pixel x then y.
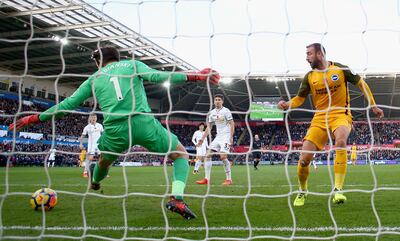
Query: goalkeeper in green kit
{"type": "Point", "coordinates": [118, 89]}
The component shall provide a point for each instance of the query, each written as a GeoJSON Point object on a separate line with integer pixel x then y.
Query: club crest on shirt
{"type": "Point", "coordinates": [335, 77]}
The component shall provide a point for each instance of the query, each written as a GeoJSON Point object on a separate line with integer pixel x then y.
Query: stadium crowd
{"type": "Point", "coordinates": [270, 134]}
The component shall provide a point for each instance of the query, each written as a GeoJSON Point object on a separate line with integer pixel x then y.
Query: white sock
{"type": "Point", "coordinates": [197, 165]}
{"type": "Point", "coordinates": [207, 168]}
{"type": "Point", "coordinates": [52, 164]}
{"type": "Point", "coordinates": [314, 164]}
{"type": "Point", "coordinates": [87, 164]}
{"type": "Point", "coordinates": [48, 164]}
{"type": "Point", "coordinates": [227, 167]}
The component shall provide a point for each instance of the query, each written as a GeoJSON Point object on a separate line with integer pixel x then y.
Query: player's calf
{"type": "Point", "coordinates": [93, 185]}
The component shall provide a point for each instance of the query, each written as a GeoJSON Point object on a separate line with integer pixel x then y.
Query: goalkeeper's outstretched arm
{"type": "Point", "coordinates": [157, 76]}
{"type": "Point", "coordinates": [78, 97]}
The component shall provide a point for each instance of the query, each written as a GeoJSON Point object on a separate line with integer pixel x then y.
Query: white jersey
{"type": "Point", "coordinates": [221, 118]}
{"type": "Point", "coordinates": [201, 150]}
{"type": "Point", "coordinates": [93, 132]}
{"type": "Point", "coordinates": [52, 155]}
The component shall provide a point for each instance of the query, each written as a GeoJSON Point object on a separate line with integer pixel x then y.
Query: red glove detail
{"type": "Point", "coordinates": [25, 121]}
{"type": "Point", "coordinates": [203, 75]}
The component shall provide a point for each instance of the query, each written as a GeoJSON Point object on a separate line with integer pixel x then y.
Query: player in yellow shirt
{"type": "Point", "coordinates": [327, 83]}
{"type": "Point", "coordinates": [353, 156]}
{"type": "Point", "coordinates": [82, 157]}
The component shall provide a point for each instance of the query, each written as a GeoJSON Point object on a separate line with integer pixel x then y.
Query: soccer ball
{"type": "Point", "coordinates": [44, 197]}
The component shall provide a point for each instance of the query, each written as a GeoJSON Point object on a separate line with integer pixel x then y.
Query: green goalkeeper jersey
{"type": "Point", "coordinates": [117, 88]}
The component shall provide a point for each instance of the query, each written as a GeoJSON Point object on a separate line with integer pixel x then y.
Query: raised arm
{"type": "Point", "coordinates": [355, 79]}
{"type": "Point", "coordinates": [298, 100]}
{"type": "Point", "coordinates": [71, 103]}
{"type": "Point", "coordinates": [156, 76]}
{"type": "Point", "coordinates": [369, 96]}
{"type": "Point", "coordinates": [78, 97]}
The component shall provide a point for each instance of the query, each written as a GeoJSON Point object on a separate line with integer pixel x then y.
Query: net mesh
{"type": "Point", "coordinates": [86, 214]}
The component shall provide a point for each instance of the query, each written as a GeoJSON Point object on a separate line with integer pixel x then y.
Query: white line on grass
{"type": "Point", "coordinates": [233, 228]}
{"type": "Point", "coordinates": [217, 185]}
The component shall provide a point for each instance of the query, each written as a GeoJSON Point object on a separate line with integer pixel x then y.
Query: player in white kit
{"type": "Point", "coordinates": [52, 158]}
{"type": "Point", "coordinates": [93, 130]}
{"type": "Point", "coordinates": [201, 149]}
{"type": "Point", "coordinates": [222, 118]}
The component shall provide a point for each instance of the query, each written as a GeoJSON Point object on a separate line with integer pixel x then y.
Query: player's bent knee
{"type": "Point", "coordinates": [305, 159]}
{"type": "Point", "coordinates": [180, 153]}
{"type": "Point", "coordinates": [340, 142]}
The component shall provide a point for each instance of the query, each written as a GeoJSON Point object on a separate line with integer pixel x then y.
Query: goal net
{"type": "Point", "coordinates": [259, 49]}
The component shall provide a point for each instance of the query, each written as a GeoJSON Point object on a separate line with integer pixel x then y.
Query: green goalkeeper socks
{"type": "Point", "coordinates": [180, 174]}
{"type": "Point", "coordinates": [99, 173]}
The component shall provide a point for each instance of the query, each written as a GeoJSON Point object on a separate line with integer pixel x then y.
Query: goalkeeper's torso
{"type": "Point", "coordinates": [119, 91]}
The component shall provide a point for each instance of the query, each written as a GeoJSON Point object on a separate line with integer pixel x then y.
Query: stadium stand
{"type": "Point", "coordinates": [273, 135]}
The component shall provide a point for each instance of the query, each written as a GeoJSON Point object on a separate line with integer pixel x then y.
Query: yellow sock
{"type": "Point", "coordinates": [340, 168]}
{"type": "Point", "coordinates": [302, 174]}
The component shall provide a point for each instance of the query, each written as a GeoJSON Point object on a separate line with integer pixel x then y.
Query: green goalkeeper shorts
{"type": "Point", "coordinates": [145, 131]}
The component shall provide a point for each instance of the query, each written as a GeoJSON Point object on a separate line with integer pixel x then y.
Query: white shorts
{"type": "Point", "coordinates": [201, 151]}
{"type": "Point", "coordinates": [221, 144]}
{"type": "Point", "coordinates": [93, 149]}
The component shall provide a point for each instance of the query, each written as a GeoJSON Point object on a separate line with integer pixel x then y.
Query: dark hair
{"type": "Point", "coordinates": [219, 96]}
{"type": "Point", "coordinates": [201, 124]}
{"type": "Point", "coordinates": [105, 54]}
{"type": "Point", "coordinates": [318, 48]}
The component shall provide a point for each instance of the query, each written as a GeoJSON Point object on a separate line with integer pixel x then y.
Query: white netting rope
{"type": "Point", "coordinates": [365, 231]}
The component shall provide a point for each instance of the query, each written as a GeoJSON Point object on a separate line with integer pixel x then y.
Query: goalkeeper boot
{"type": "Point", "coordinates": [93, 185]}
{"type": "Point", "coordinates": [227, 182]}
{"type": "Point", "coordinates": [180, 207]}
{"type": "Point", "coordinates": [203, 181]}
{"type": "Point", "coordinates": [338, 198]}
{"type": "Point", "coordinates": [300, 199]}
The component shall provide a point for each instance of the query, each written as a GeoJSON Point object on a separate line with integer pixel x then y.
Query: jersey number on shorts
{"type": "Point", "coordinates": [117, 88]}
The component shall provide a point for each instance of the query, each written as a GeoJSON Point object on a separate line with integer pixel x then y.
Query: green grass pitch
{"type": "Point", "coordinates": [267, 205]}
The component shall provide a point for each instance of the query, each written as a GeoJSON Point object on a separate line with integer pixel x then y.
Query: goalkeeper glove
{"type": "Point", "coordinates": [203, 75]}
{"type": "Point", "coordinates": [25, 121]}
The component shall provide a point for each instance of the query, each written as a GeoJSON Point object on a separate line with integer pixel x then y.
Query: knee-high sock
{"type": "Point", "coordinates": [340, 168]}
{"type": "Point", "coordinates": [302, 175]}
{"type": "Point", "coordinates": [207, 168]}
{"type": "Point", "coordinates": [99, 173]}
{"type": "Point", "coordinates": [180, 174]}
{"type": "Point", "coordinates": [197, 165]}
{"type": "Point", "coordinates": [87, 164]}
{"type": "Point", "coordinates": [227, 167]}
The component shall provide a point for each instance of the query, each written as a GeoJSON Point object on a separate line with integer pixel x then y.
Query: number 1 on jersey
{"type": "Point", "coordinates": [117, 88]}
